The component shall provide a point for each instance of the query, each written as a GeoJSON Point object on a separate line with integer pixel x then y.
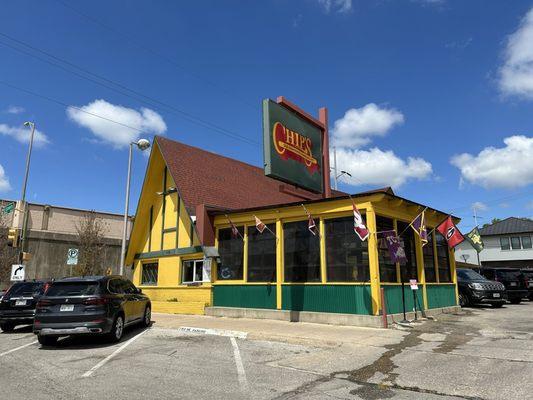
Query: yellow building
{"type": "Point", "coordinates": [186, 258]}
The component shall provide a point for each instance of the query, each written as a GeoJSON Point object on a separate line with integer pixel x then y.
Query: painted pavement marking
{"type": "Point", "coordinates": [215, 332]}
{"type": "Point", "coordinates": [112, 355]}
{"type": "Point", "coordinates": [17, 348]}
{"type": "Point", "coordinates": [243, 382]}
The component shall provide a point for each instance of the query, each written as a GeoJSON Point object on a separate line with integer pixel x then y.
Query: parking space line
{"type": "Point", "coordinates": [17, 348]}
{"type": "Point", "coordinates": [243, 382]}
{"type": "Point", "coordinates": [112, 355]}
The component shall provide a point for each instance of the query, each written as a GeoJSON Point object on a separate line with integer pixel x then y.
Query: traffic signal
{"type": "Point", "coordinates": [13, 237]}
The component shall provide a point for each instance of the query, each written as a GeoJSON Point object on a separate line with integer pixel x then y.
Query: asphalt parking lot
{"type": "Point", "coordinates": [480, 353]}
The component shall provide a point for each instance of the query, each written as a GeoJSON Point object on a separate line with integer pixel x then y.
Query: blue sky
{"type": "Point", "coordinates": [433, 97]}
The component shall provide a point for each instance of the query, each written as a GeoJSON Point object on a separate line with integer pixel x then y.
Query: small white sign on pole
{"type": "Point", "coordinates": [72, 256]}
{"type": "Point", "coordinates": [18, 272]}
{"type": "Point", "coordinates": [414, 284]}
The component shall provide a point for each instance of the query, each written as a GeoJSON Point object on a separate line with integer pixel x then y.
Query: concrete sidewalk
{"type": "Point", "coordinates": [283, 331]}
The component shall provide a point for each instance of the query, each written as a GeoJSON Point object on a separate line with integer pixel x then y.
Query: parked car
{"type": "Point", "coordinates": [2, 292]}
{"type": "Point", "coordinates": [528, 274]}
{"type": "Point", "coordinates": [512, 278]}
{"type": "Point", "coordinates": [17, 304]}
{"type": "Point", "coordinates": [100, 305]}
{"type": "Point", "coordinates": [476, 289]}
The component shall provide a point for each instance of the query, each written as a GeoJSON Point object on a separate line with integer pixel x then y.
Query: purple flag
{"type": "Point", "coordinates": [419, 225]}
{"type": "Point", "coordinates": [396, 250]}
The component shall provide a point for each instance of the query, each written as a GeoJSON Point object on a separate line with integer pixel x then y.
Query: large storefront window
{"type": "Point", "coordinates": [346, 254]}
{"type": "Point", "coordinates": [429, 260]}
{"type": "Point", "coordinates": [409, 269]}
{"type": "Point", "coordinates": [387, 269]}
{"type": "Point", "coordinates": [231, 255]}
{"type": "Point", "coordinates": [261, 255]}
{"type": "Point", "coordinates": [302, 253]}
{"type": "Point", "coordinates": [443, 259]}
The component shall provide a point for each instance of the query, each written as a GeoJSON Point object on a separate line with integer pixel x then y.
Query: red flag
{"type": "Point", "coordinates": [259, 225]}
{"type": "Point", "coordinates": [359, 228]}
{"type": "Point", "coordinates": [450, 232]}
{"type": "Point", "coordinates": [312, 225]}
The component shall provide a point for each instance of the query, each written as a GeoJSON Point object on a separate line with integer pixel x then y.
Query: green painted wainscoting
{"type": "Point", "coordinates": [345, 299]}
{"type": "Point", "coordinates": [441, 296]}
{"type": "Point", "coordinates": [248, 296]}
{"type": "Point", "coordinates": [393, 298]}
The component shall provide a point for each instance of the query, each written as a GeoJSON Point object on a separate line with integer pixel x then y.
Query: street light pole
{"type": "Point", "coordinates": [142, 144]}
{"type": "Point", "coordinates": [24, 186]}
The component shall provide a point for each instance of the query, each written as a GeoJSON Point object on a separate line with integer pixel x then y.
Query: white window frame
{"type": "Point", "coordinates": [195, 266]}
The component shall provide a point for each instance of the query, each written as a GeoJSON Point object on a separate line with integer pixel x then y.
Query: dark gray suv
{"type": "Point", "coordinates": [101, 305]}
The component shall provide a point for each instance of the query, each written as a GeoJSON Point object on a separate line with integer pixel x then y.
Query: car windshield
{"type": "Point", "coordinates": [469, 275]}
{"type": "Point", "coordinates": [508, 275]}
{"type": "Point", "coordinates": [72, 289]}
{"type": "Point", "coordinates": [28, 289]}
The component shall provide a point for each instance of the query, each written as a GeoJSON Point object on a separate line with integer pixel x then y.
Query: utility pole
{"type": "Point", "coordinates": [24, 186]}
{"type": "Point", "coordinates": [335, 177]}
{"type": "Point", "coordinates": [475, 222]}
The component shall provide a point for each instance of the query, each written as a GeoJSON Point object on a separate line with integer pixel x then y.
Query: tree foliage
{"type": "Point", "coordinates": [92, 247]}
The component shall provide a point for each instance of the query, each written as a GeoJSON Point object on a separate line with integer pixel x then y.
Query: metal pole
{"type": "Point", "coordinates": [335, 177]}
{"type": "Point", "coordinates": [126, 211]}
{"type": "Point", "coordinates": [475, 221]}
{"type": "Point", "coordinates": [24, 186]}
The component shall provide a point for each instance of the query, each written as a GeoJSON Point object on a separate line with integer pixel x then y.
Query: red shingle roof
{"type": "Point", "coordinates": [207, 178]}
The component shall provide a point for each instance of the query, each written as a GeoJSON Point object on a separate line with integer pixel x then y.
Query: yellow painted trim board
{"type": "Point", "coordinates": [373, 262]}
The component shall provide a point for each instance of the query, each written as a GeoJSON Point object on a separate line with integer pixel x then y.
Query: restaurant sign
{"type": "Point", "coordinates": [292, 147]}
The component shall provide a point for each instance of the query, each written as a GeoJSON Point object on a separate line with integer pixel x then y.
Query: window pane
{"type": "Point", "coordinates": [515, 243]}
{"type": "Point", "coordinates": [198, 276]}
{"type": "Point", "coordinates": [346, 254]}
{"type": "Point", "coordinates": [526, 242]}
{"type": "Point", "coordinates": [231, 254]}
{"type": "Point", "coordinates": [188, 271]}
{"type": "Point", "coordinates": [302, 253]}
{"type": "Point", "coordinates": [409, 269]}
{"type": "Point", "coordinates": [261, 255]}
{"type": "Point", "coordinates": [387, 269]}
{"type": "Point", "coordinates": [429, 260]}
{"type": "Point", "coordinates": [443, 258]}
{"type": "Point", "coordinates": [149, 274]}
{"type": "Point", "coordinates": [504, 243]}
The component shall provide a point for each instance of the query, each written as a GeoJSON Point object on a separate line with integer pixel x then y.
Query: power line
{"type": "Point", "coordinates": [150, 50]}
{"type": "Point", "coordinates": [121, 88]}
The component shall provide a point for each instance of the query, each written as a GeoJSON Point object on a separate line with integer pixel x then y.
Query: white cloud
{"type": "Point", "coordinates": [479, 206]}
{"type": "Point", "coordinates": [516, 74]}
{"type": "Point", "coordinates": [4, 181]}
{"type": "Point", "coordinates": [359, 125]}
{"type": "Point", "coordinates": [339, 6]}
{"type": "Point", "coordinates": [15, 110]}
{"type": "Point", "coordinates": [131, 123]}
{"type": "Point", "coordinates": [382, 168]}
{"type": "Point", "coordinates": [507, 167]}
{"type": "Point", "coordinates": [22, 134]}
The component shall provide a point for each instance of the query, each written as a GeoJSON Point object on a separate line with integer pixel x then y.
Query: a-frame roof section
{"type": "Point", "coordinates": [203, 177]}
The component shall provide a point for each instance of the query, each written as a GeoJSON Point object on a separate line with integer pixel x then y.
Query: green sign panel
{"type": "Point", "coordinates": [8, 208]}
{"type": "Point", "coordinates": [292, 147]}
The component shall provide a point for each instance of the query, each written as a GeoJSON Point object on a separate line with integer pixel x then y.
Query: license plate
{"type": "Point", "coordinates": [20, 302]}
{"type": "Point", "coordinates": [513, 283]}
{"type": "Point", "coordinates": [66, 307]}
{"type": "Point", "coordinates": [496, 295]}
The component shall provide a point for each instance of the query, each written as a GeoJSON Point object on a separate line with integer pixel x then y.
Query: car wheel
{"type": "Point", "coordinates": [516, 300]}
{"type": "Point", "coordinates": [498, 305]}
{"type": "Point", "coordinates": [147, 320]}
{"type": "Point", "coordinates": [464, 301]}
{"type": "Point", "coordinates": [7, 327]}
{"type": "Point", "coordinates": [117, 330]}
{"type": "Point", "coordinates": [47, 340]}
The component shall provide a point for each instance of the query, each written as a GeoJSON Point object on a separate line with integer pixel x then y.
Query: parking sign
{"type": "Point", "coordinates": [72, 256]}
